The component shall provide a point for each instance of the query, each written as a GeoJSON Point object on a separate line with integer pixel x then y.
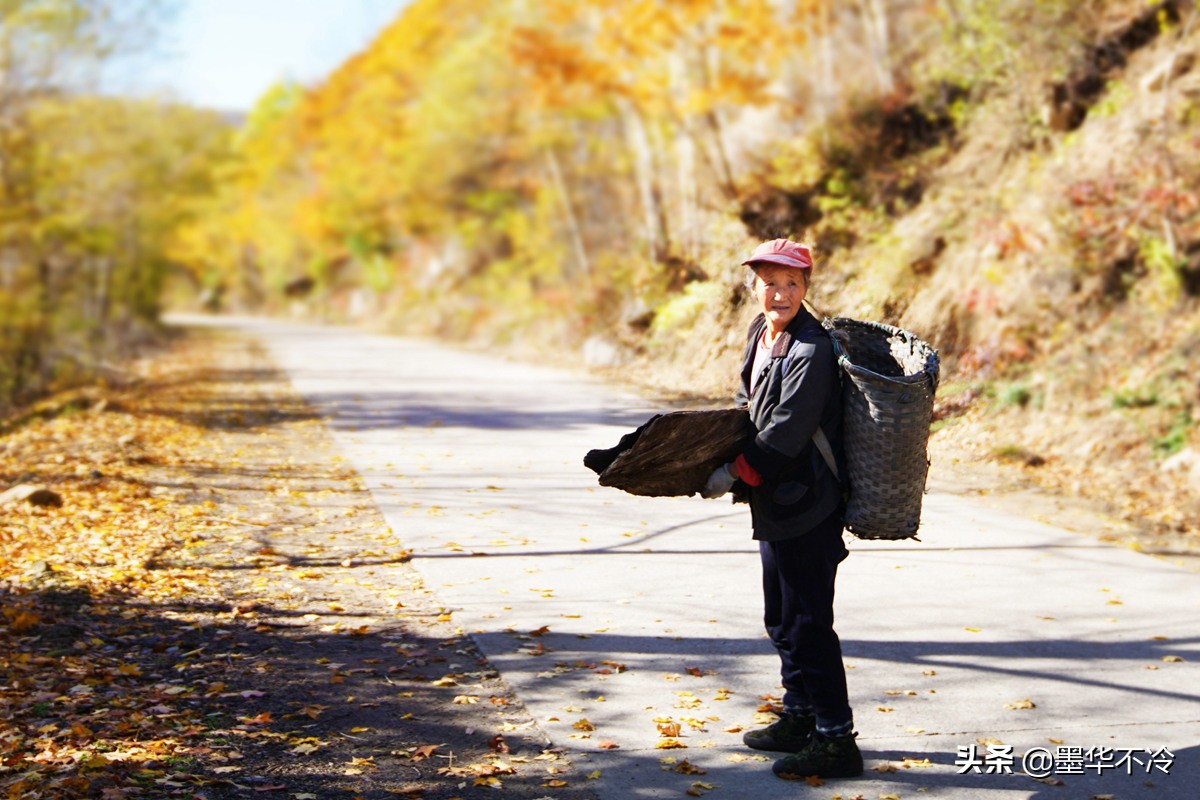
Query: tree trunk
{"type": "Point", "coordinates": [716, 131]}
{"type": "Point", "coordinates": [875, 22]}
{"type": "Point", "coordinates": [569, 217]}
{"type": "Point", "coordinates": [647, 174]}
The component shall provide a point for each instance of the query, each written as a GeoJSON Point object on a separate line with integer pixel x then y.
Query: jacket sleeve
{"type": "Point", "coordinates": [808, 380]}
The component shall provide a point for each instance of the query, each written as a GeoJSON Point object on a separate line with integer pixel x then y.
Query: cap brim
{"type": "Point", "coordinates": [777, 258]}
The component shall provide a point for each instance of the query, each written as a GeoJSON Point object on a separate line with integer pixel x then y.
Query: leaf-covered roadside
{"type": "Point", "coordinates": [216, 609]}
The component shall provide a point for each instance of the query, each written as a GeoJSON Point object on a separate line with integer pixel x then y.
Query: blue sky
{"type": "Point", "coordinates": [224, 54]}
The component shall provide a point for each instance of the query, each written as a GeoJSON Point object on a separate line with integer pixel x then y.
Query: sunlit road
{"type": "Point", "coordinates": [993, 631]}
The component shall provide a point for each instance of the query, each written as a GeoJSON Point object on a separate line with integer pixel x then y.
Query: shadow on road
{"type": "Point", "coordinates": [228, 701]}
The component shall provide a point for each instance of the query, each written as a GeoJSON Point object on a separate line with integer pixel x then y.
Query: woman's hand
{"type": "Point", "coordinates": [720, 482]}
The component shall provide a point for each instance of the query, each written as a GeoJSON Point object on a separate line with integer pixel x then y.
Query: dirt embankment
{"type": "Point", "coordinates": [1057, 267]}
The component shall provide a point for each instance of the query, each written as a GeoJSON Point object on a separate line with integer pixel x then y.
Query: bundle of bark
{"type": "Point", "coordinates": [673, 454]}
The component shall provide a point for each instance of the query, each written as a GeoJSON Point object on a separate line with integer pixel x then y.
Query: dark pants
{"type": "Point", "coordinates": [798, 578]}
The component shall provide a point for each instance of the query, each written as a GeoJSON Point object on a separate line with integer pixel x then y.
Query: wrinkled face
{"type": "Point", "coordinates": [779, 291]}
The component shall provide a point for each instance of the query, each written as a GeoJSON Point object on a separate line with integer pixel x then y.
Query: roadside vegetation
{"type": "Point", "coordinates": [92, 190]}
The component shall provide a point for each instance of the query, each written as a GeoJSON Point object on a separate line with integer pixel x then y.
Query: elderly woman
{"type": "Point", "coordinates": [790, 382]}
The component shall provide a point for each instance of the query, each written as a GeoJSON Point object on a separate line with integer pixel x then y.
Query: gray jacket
{"type": "Point", "coordinates": [798, 390]}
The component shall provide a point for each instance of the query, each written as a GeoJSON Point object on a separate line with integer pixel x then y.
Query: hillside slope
{"type": "Point", "coordinates": [1077, 264]}
{"type": "Point", "coordinates": [1059, 273]}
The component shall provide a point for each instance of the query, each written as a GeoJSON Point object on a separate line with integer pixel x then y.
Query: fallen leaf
{"type": "Point", "coordinates": [261, 719]}
{"type": "Point", "coordinates": [738, 758]}
{"type": "Point", "coordinates": [424, 751]}
{"type": "Point", "coordinates": [23, 621]}
{"type": "Point", "coordinates": [1021, 705]}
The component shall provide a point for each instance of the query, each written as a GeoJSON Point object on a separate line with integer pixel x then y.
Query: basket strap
{"type": "Point", "coordinates": [819, 438]}
{"type": "Point", "coordinates": [839, 349]}
{"type": "Point", "coordinates": [822, 442]}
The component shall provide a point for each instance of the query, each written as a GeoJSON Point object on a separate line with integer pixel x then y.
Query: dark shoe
{"type": "Point", "coordinates": [825, 756]}
{"type": "Point", "coordinates": [788, 734]}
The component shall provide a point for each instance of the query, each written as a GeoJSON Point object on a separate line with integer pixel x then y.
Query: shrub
{"type": "Point", "coordinates": [681, 312]}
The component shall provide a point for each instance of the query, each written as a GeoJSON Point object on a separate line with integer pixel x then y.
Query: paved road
{"type": "Point", "coordinates": [995, 631]}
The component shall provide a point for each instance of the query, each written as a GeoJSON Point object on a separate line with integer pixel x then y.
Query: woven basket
{"type": "Point", "coordinates": [887, 394]}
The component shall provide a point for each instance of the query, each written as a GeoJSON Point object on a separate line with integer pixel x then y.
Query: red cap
{"type": "Point", "coordinates": [784, 252]}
